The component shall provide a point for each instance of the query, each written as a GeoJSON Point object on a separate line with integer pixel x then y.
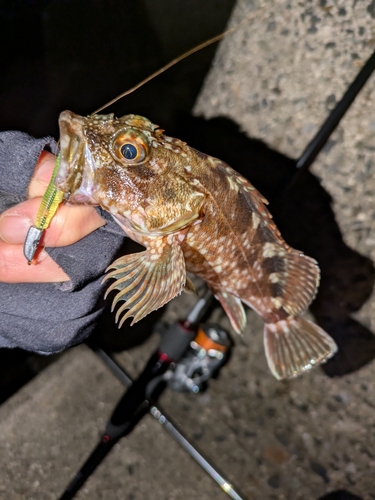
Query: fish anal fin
{"type": "Point", "coordinates": [189, 287]}
{"type": "Point", "coordinates": [295, 345]}
{"type": "Point", "coordinates": [233, 307]}
{"type": "Point", "coordinates": [147, 280]}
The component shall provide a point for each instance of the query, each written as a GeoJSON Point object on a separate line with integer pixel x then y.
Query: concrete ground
{"type": "Point", "coordinates": [277, 77]}
{"type": "Point", "coordinates": [290, 440]}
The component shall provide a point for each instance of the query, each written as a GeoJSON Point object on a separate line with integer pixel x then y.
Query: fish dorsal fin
{"type": "Point", "coordinates": [293, 277]}
{"type": "Point", "coordinates": [256, 202]}
{"type": "Point", "coordinates": [235, 186]}
{"type": "Point", "coordinates": [149, 279]}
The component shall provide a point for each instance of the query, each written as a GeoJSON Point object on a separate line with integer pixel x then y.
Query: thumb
{"type": "Point", "coordinates": [42, 174]}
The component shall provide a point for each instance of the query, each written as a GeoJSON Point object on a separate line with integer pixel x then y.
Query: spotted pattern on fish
{"type": "Point", "coordinates": [192, 212]}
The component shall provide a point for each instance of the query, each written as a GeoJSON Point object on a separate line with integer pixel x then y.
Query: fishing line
{"type": "Point", "coordinates": [199, 47]}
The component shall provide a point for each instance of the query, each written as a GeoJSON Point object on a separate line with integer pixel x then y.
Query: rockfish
{"type": "Point", "coordinates": [192, 213]}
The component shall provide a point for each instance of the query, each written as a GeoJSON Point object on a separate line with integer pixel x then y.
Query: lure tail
{"type": "Point", "coordinates": [296, 345]}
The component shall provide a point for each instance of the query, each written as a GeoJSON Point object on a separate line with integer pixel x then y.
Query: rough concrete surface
{"type": "Point", "coordinates": [291, 440]}
{"type": "Point", "coordinates": [278, 77]}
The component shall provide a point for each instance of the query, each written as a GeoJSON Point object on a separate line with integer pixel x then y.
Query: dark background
{"type": "Point", "coordinates": [79, 54]}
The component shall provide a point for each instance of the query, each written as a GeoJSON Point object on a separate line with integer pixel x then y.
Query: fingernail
{"type": "Point", "coordinates": [13, 228]}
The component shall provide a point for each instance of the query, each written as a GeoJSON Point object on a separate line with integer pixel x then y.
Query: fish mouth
{"type": "Point", "coordinates": [75, 175]}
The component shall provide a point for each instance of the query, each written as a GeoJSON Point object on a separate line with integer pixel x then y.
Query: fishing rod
{"type": "Point", "coordinates": [318, 142]}
{"type": "Point", "coordinates": [185, 360]}
{"type": "Point", "coordinates": [166, 422]}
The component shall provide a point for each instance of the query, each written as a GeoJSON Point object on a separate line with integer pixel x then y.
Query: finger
{"type": "Point", "coordinates": [14, 267]}
{"type": "Point", "coordinates": [69, 225]}
{"type": "Point", "coordinates": [42, 174]}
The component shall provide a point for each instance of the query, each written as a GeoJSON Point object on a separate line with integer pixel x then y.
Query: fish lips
{"type": "Point", "coordinates": [75, 175]}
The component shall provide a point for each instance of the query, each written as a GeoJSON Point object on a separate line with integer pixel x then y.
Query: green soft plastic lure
{"type": "Point", "coordinates": [50, 201]}
{"type": "Point", "coordinates": [47, 209]}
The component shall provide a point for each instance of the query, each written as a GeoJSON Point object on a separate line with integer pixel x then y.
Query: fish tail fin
{"type": "Point", "coordinates": [295, 345]}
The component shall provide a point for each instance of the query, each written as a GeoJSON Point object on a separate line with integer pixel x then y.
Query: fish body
{"type": "Point", "coordinates": [192, 212]}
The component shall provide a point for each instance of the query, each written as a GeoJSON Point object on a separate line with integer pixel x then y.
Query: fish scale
{"type": "Point", "coordinates": [192, 212]}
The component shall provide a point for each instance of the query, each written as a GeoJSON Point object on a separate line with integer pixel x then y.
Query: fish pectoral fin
{"type": "Point", "coordinates": [233, 307]}
{"type": "Point", "coordinates": [149, 279]}
{"type": "Point", "coordinates": [295, 345]}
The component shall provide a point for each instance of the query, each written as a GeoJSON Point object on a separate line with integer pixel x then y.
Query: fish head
{"type": "Point", "coordinates": [91, 146]}
{"type": "Point", "coordinates": [128, 167]}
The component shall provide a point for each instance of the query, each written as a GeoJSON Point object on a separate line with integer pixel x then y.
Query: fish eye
{"type": "Point", "coordinates": [130, 146]}
{"type": "Point", "coordinates": [129, 151]}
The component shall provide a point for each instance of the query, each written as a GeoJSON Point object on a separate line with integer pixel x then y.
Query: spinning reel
{"type": "Point", "coordinates": [207, 353]}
